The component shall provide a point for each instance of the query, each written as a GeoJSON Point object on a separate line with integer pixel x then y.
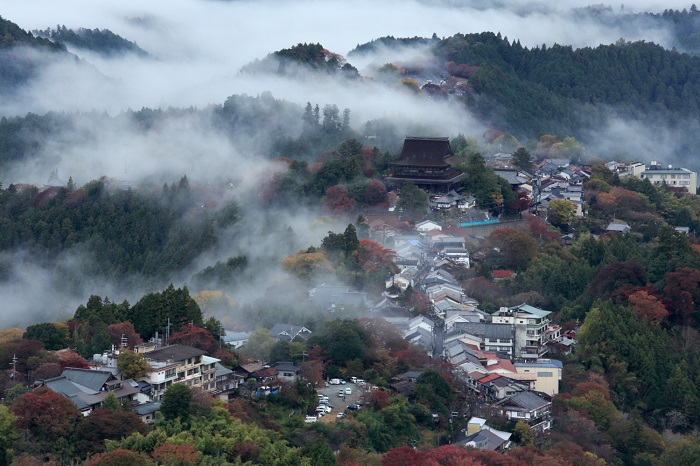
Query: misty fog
{"type": "Point", "coordinates": [199, 48]}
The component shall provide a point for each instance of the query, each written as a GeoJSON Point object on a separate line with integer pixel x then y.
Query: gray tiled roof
{"type": "Point", "coordinates": [221, 370]}
{"type": "Point", "coordinates": [528, 400]}
{"type": "Point", "coordinates": [93, 380]}
{"type": "Point", "coordinates": [63, 386]}
{"type": "Point", "coordinates": [500, 331]}
{"type": "Point", "coordinates": [174, 353]}
{"type": "Point", "coordinates": [147, 408]}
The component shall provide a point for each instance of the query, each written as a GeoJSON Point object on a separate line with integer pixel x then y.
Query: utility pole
{"type": "Point", "coordinates": [14, 366]}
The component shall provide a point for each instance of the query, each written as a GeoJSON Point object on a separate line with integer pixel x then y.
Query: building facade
{"type": "Point", "coordinates": [671, 176]}
{"type": "Point", "coordinates": [425, 162]}
{"type": "Point", "coordinates": [530, 327]}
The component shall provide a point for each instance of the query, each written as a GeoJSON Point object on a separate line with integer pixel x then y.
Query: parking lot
{"type": "Point", "coordinates": [339, 405]}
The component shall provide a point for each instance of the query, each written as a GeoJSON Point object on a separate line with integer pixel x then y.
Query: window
{"type": "Point", "coordinates": [169, 373]}
{"type": "Point", "coordinates": [545, 374]}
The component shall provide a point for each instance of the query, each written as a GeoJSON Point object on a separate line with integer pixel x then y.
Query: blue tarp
{"type": "Point", "coordinates": [473, 224]}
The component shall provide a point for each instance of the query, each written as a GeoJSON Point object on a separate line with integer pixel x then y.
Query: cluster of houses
{"type": "Point", "coordinates": [502, 358]}
{"type": "Point", "coordinates": [171, 364]}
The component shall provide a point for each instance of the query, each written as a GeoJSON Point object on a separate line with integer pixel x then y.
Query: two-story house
{"type": "Point", "coordinates": [88, 388]}
{"type": "Point", "coordinates": [531, 407]}
{"type": "Point", "coordinates": [545, 374]}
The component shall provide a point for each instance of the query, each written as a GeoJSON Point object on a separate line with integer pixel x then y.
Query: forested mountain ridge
{"type": "Point", "coordinates": [126, 233]}
{"type": "Point", "coordinates": [309, 57]}
{"type": "Point", "coordinates": [11, 35]}
{"type": "Point", "coordinates": [684, 24]}
{"type": "Point", "coordinates": [561, 88]}
{"type": "Point", "coordinates": [18, 64]}
{"type": "Point", "coordinates": [102, 41]}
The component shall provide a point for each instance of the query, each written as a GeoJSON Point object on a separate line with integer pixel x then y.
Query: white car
{"type": "Point", "coordinates": [310, 419]}
{"type": "Point", "coordinates": [348, 391]}
{"type": "Point", "coordinates": [340, 415]}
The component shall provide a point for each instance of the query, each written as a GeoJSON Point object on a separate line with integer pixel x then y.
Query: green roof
{"type": "Point", "coordinates": [536, 312]}
{"type": "Point", "coordinates": [526, 308]}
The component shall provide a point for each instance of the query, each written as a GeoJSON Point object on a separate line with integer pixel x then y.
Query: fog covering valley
{"type": "Point", "coordinates": [145, 121]}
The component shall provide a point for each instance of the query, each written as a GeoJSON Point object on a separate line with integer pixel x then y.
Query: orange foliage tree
{"type": "Point", "coordinates": [171, 453]}
{"type": "Point", "coordinates": [648, 306]}
{"type": "Point", "coordinates": [337, 200]}
{"type": "Point", "coordinates": [373, 256]}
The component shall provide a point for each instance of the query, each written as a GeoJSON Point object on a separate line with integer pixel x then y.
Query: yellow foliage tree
{"type": "Point", "coordinates": [304, 265]}
{"type": "Point", "coordinates": [11, 334]}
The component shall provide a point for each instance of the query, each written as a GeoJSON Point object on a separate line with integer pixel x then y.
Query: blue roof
{"type": "Point", "coordinates": [542, 363]}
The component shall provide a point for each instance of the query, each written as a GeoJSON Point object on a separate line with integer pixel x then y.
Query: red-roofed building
{"type": "Point", "coordinates": [486, 379]}
{"type": "Point", "coordinates": [501, 274]}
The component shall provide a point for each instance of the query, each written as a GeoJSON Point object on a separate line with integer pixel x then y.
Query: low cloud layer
{"type": "Point", "coordinates": [201, 45]}
{"type": "Point", "coordinates": [199, 49]}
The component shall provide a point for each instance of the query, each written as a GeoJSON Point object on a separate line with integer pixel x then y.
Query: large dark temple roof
{"type": "Point", "coordinates": [425, 152]}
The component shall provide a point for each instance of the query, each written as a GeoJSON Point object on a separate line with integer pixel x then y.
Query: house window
{"type": "Point", "coordinates": [169, 373]}
{"type": "Point", "coordinates": [545, 374]}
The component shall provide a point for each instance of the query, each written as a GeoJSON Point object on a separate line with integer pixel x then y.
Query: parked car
{"type": "Point", "coordinates": [335, 382]}
{"type": "Point", "coordinates": [310, 419]}
{"type": "Point", "coordinates": [341, 392]}
{"type": "Point", "coordinates": [354, 407]}
{"type": "Point", "coordinates": [348, 391]}
{"type": "Point", "coordinates": [340, 415]}
{"type": "Point", "coordinates": [324, 408]}
{"type": "Point", "coordinates": [353, 379]}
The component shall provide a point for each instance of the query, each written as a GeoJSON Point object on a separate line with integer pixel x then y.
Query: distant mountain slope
{"type": "Point", "coordinates": [104, 41]}
{"type": "Point", "coordinates": [12, 35]}
{"type": "Point", "coordinates": [391, 42]}
{"type": "Point", "coordinates": [308, 57]}
{"type": "Point", "coordinates": [683, 26]}
{"type": "Point", "coordinates": [562, 89]}
{"type": "Point", "coordinates": [22, 55]}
